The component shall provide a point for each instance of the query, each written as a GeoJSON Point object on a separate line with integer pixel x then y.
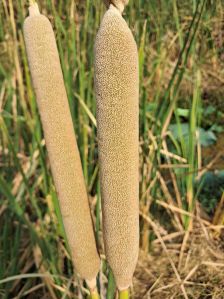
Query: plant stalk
{"type": "Point", "coordinates": [124, 294]}
{"type": "Point", "coordinates": [94, 295]}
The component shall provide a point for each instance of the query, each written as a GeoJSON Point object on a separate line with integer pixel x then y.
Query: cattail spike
{"type": "Point", "coordinates": [117, 93]}
{"type": "Point", "coordinates": [61, 143]}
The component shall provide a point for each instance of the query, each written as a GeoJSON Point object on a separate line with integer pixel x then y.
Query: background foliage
{"type": "Point", "coordinates": [181, 59]}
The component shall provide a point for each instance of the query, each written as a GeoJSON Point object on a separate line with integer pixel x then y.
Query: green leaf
{"type": "Point", "coordinates": [209, 110]}
{"type": "Point", "coordinates": [183, 112]}
{"type": "Point", "coordinates": [206, 138]}
{"type": "Point", "coordinates": [217, 128]}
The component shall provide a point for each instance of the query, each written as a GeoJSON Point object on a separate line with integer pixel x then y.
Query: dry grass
{"type": "Point", "coordinates": [179, 258]}
{"type": "Point", "coordinates": [201, 268]}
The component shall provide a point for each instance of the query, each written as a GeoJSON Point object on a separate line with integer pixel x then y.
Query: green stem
{"type": "Point", "coordinates": [124, 294]}
{"type": "Point", "coordinates": [111, 289]}
{"type": "Point", "coordinates": [94, 295]}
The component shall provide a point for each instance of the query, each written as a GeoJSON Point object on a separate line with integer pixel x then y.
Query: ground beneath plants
{"type": "Point", "coordinates": [187, 265]}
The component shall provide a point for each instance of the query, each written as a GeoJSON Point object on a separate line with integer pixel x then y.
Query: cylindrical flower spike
{"type": "Point", "coordinates": [117, 92]}
{"type": "Point", "coordinates": [61, 143]}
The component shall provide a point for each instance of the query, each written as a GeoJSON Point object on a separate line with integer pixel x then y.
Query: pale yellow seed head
{"type": "Point", "coordinates": [61, 143]}
{"type": "Point", "coordinates": [117, 92]}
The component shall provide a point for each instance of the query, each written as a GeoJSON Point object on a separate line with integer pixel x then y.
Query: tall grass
{"type": "Point", "coordinates": [34, 258]}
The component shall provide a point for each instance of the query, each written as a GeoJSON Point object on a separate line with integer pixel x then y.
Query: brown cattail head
{"type": "Point", "coordinates": [117, 92]}
{"type": "Point", "coordinates": [119, 4]}
{"type": "Point", "coordinates": [61, 143]}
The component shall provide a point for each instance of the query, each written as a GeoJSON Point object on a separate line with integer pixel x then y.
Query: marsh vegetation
{"type": "Point", "coordinates": [181, 62]}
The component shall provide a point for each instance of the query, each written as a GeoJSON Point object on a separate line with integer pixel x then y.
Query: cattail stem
{"type": "Point", "coordinates": [124, 294]}
{"type": "Point", "coordinates": [111, 288]}
{"type": "Point", "coordinates": [95, 295]}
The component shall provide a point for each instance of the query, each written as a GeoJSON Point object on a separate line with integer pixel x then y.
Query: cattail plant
{"type": "Point", "coordinates": [61, 144]}
{"type": "Point", "coordinates": [117, 92]}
